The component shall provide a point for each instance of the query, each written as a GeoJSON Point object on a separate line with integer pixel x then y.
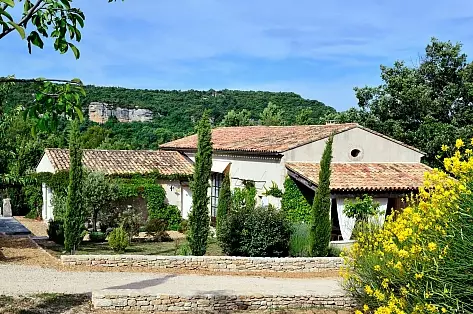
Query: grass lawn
{"type": "Point", "coordinates": [136, 248]}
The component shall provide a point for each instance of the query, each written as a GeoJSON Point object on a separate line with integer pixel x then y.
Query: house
{"type": "Point", "coordinates": [124, 163]}
{"type": "Point", "coordinates": [364, 162]}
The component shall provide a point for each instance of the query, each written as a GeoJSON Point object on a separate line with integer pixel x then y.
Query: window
{"type": "Point", "coordinates": [355, 152]}
{"type": "Point", "coordinates": [217, 179]}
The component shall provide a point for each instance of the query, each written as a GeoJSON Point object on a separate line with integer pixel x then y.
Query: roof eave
{"type": "Point", "coordinates": [227, 151]}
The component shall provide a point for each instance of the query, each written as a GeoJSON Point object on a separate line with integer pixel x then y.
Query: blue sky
{"type": "Point", "coordinates": [319, 49]}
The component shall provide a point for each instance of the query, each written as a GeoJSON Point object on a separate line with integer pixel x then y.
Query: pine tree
{"type": "Point", "coordinates": [224, 202]}
{"type": "Point", "coordinates": [199, 219]}
{"type": "Point", "coordinates": [321, 226]}
{"type": "Point", "coordinates": [73, 221]}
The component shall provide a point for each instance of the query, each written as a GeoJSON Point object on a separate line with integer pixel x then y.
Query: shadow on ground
{"type": "Point", "coordinates": [44, 303]}
{"type": "Point", "coordinates": [144, 283]}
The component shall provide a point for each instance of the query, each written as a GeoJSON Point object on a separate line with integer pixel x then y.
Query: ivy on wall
{"type": "Point", "coordinates": [294, 204]}
{"type": "Point", "coordinates": [129, 186]}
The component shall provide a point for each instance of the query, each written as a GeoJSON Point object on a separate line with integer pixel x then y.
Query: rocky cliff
{"type": "Point", "coordinates": [101, 112]}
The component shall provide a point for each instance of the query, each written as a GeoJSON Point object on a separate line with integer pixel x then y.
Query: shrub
{"type": "Point", "coordinates": [96, 236]}
{"type": "Point", "coordinates": [262, 231]}
{"type": "Point", "coordinates": [294, 204]}
{"type": "Point", "coordinates": [118, 240]}
{"type": "Point", "coordinates": [34, 200]}
{"type": "Point", "coordinates": [363, 210]}
{"type": "Point", "coordinates": [131, 221]}
{"type": "Point", "coordinates": [418, 262]}
{"type": "Point", "coordinates": [299, 245]}
{"type": "Point", "coordinates": [185, 250]}
{"type": "Point", "coordinates": [156, 228]}
{"type": "Point", "coordinates": [183, 226]}
{"type": "Point", "coordinates": [56, 231]}
{"type": "Point", "coordinates": [224, 202]}
{"type": "Point", "coordinates": [170, 214]}
{"type": "Point", "coordinates": [32, 214]}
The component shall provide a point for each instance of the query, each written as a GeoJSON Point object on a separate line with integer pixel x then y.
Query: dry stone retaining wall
{"type": "Point", "coordinates": [134, 301]}
{"type": "Point", "coordinates": [209, 263]}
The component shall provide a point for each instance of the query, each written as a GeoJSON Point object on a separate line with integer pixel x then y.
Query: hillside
{"type": "Point", "coordinates": [175, 112]}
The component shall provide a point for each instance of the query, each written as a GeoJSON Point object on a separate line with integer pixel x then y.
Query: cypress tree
{"type": "Point", "coordinates": [73, 221]}
{"type": "Point", "coordinates": [199, 220]}
{"type": "Point", "coordinates": [224, 203]}
{"type": "Point", "coordinates": [321, 225]}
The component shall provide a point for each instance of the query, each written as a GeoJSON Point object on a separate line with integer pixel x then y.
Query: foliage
{"type": "Point", "coordinates": [417, 262]}
{"type": "Point", "coordinates": [97, 236]}
{"type": "Point", "coordinates": [224, 203]}
{"type": "Point", "coordinates": [294, 204]}
{"type": "Point", "coordinates": [272, 115]}
{"type": "Point", "coordinates": [130, 221]}
{"type": "Point", "coordinates": [274, 191]}
{"type": "Point", "coordinates": [98, 194]}
{"type": "Point", "coordinates": [74, 218]}
{"type": "Point", "coordinates": [183, 226]}
{"type": "Point", "coordinates": [244, 197]}
{"type": "Point", "coordinates": [232, 118]}
{"type": "Point", "coordinates": [185, 250]}
{"type": "Point", "coordinates": [170, 214]}
{"type": "Point", "coordinates": [34, 199]}
{"type": "Point", "coordinates": [321, 225]}
{"type": "Point", "coordinates": [199, 216]}
{"type": "Point", "coordinates": [363, 210]}
{"type": "Point", "coordinates": [156, 228]}
{"type": "Point", "coordinates": [425, 105]}
{"type": "Point", "coordinates": [56, 231]}
{"type": "Point", "coordinates": [118, 240]}
{"type": "Point", "coordinates": [299, 245]}
{"type": "Point", "coordinates": [59, 205]}
{"type": "Point", "coordinates": [261, 231]}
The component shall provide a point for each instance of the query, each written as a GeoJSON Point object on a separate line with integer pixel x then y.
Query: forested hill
{"type": "Point", "coordinates": [176, 112]}
{"type": "Point", "coordinates": [180, 109]}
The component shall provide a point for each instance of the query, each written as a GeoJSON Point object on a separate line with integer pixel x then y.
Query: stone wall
{"type": "Point", "coordinates": [209, 263]}
{"type": "Point", "coordinates": [136, 301]}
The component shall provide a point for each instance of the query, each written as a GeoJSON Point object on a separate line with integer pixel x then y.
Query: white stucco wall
{"type": "Point", "coordinates": [173, 192]}
{"type": "Point", "coordinates": [373, 148]}
{"type": "Point", "coordinates": [45, 165]}
{"type": "Point", "coordinates": [262, 170]}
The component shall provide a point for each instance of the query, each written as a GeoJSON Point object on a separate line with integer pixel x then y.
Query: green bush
{"type": "Point", "coordinates": [131, 221]}
{"type": "Point", "coordinates": [34, 200]}
{"type": "Point", "coordinates": [262, 231]}
{"type": "Point", "coordinates": [299, 245]}
{"type": "Point", "coordinates": [118, 240]}
{"type": "Point", "coordinates": [170, 214]}
{"type": "Point", "coordinates": [294, 204]}
{"type": "Point", "coordinates": [56, 231]}
{"type": "Point", "coordinates": [32, 214]}
{"type": "Point", "coordinates": [183, 226]}
{"type": "Point", "coordinates": [156, 228]}
{"type": "Point", "coordinates": [96, 236]}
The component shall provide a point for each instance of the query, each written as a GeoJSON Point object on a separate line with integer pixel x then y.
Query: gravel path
{"type": "Point", "coordinates": [25, 279]}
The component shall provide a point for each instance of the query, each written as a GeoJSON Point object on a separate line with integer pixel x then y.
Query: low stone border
{"type": "Point", "coordinates": [209, 263]}
{"type": "Point", "coordinates": [135, 301]}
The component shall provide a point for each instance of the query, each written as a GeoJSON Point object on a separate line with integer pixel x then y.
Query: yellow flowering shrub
{"type": "Point", "coordinates": [417, 263]}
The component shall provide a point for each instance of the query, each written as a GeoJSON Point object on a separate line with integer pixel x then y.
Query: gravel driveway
{"type": "Point", "coordinates": [25, 279]}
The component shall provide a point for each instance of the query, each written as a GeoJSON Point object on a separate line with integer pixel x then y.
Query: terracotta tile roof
{"type": "Point", "coordinates": [268, 139]}
{"type": "Point", "coordinates": [366, 176]}
{"type": "Point", "coordinates": [125, 161]}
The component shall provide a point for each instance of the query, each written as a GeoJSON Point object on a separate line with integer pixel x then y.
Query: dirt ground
{"type": "Point", "coordinates": [38, 228]}
{"type": "Point", "coordinates": [81, 304]}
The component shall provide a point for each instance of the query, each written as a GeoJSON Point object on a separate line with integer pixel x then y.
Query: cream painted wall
{"type": "Point", "coordinates": [45, 165]}
{"type": "Point", "coordinates": [373, 148]}
{"type": "Point", "coordinates": [262, 170]}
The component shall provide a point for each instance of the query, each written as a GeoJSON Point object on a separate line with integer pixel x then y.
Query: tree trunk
{"type": "Point", "coordinates": [94, 220]}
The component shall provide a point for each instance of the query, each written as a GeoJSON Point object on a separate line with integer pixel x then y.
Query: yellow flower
{"type": "Point", "coordinates": [445, 147]}
{"type": "Point", "coordinates": [385, 283]}
{"type": "Point", "coordinates": [398, 265]}
{"type": "Point", "coordinates": [368, 290]}
{"type": "Point", "coordinates": [358, 312]}
{"type": "Point", "coordinates": [366, 308]}
{"type": "Point", "coordinates": [379, 295]}
{"type": "Point", "coordinates": [432, 246]}
{"type": "Point", "coordinates": [377, 267]}
{"type": "Point", "coordinates": [459, 143]}
{"type": "Point", "coordinates": [419, 276]}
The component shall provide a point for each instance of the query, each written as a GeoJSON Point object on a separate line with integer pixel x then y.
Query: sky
{"type": "Point", "coordinates": [318, 49]}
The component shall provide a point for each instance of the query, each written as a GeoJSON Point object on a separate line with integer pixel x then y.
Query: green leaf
{"type": "Point", "coordinates": [77, 81]}
{"type": "Point", "coordinates": [35, 39]}
{"type": "Point", "coordinates": [79, 113]}
{"type": "Point", "coordinates": [19, 29]}
{"type": "Point", "coordinates": [6, 14]}
{"type": "Point", "coordinates": [10, 3]}
{"type": "Point", "coordinates": [75, 51]}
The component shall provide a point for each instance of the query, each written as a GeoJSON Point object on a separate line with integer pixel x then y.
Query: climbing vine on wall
{"type": "Point", "coordinates": [294, 204]}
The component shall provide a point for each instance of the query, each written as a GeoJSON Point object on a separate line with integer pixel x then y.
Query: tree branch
{"type": "Point", "coordinates": [24, 21]}
{"type": "Point", "coordinates": [15, 80]}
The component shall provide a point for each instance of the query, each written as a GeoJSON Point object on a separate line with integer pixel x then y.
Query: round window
{"type": "Point", "coordinates": [355, 153]}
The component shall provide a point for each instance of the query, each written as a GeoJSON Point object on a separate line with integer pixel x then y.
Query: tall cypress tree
{"type": "Point", "coordinates": [199, 220]}
{"type": "Point", "coordinates": [224, 202]}
{"type": "Point", "coordinates": [73, 220]}
{"type": "Point", "coordinates": [321, 225]}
